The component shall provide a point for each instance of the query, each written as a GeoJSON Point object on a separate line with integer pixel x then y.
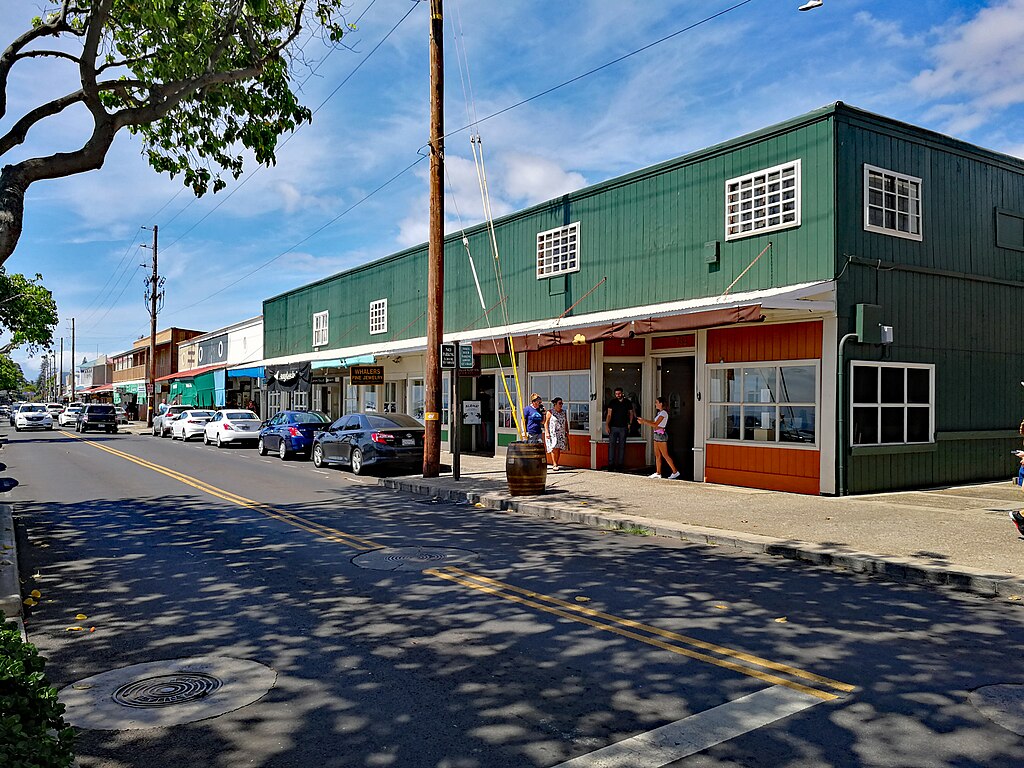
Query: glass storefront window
{"type": "Point", "coordinates": [763, 403]}
{"type": "Point", "coordinates": [417, 396]}
{"type": "Point", "coordinates": [574, 389]}
{"type": "Point", "coordinates": [505, 418]}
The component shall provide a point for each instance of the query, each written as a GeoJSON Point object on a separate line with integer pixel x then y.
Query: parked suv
{"type": "Point", "coordinates": [162, 421]}
{"type": "Point", "coordinates": [97, 416]}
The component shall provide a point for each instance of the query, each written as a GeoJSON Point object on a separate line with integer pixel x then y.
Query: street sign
{"type": "Point", "coordinates": [466, 356]}
{"type": "Point", "coordinates": [448, 355]}
{"type": "Point", "coordinates": [366, 374]}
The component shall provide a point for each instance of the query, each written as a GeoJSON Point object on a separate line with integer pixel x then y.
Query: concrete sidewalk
{"type": "Point", "coordinates": [960, 537]}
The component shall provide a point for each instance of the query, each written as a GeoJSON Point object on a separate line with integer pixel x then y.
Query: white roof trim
{"type": "Point", "coordinates": [816, 297]}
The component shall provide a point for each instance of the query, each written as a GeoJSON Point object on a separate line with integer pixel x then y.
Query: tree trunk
{"type": "Point", "coordinates": [12, 210]}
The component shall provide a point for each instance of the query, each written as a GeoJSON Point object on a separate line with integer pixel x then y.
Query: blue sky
{"type": "Point", "coordinates": [949, 65]}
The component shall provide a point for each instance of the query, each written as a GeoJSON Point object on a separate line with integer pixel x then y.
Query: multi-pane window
{"type": "Point", "coordinates": [320, 327]}
{"type": "Point", "coordinates": [892, 203]}
{"type": "Point", "coordinates": [505, 416]}
{"type": "Point", "coordinates": [763, 201]}
{"type": "Point", "coordinates": [892, 403]}
{"type": "Point", "coordinates": [417, 398]}
{"type": "Point", "coordinates": [390, 397]}
{"type": "Point", "coordinates": [351, 397]}
{"type": "Point", "coordinates": [764, 403]}
{"type": "Point", "coordinates": [300, 400]}
{"type": "Point", "coordinates": [273, 403]}
{"type": "Point", "coordinates": [379, 316]}
{"type": "Point", "coordinates": [558, 251]}
{"type": "Point", "coordinates": [574, 389]}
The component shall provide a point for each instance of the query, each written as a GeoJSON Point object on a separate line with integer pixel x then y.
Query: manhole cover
{"type": "Point", "coordinates": [1003, 704]}
{"type": "Point", "coordinates": [413, 558]}
{"type": "Point", "coordinates": [164, 693]}
{"type": "Point", "coordinates": [166, 690]}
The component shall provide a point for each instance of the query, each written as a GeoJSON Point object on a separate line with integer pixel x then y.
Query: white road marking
{"type": "Point", "coordinates": [320, 472]}
{"type": "Point", "coordinates": [698, 732]}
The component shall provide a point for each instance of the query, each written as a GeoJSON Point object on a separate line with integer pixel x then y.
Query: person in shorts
{"type": "Point", "coordinates": [660, 425]}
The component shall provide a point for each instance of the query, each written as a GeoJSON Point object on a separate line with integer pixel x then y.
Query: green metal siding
{"type": "Point", "coordinates": [953, 299]}
{"type": "Point", "coordinates": [644, 232]}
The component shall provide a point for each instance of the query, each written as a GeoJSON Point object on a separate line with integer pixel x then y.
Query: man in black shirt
{"type": "Point", "coordinates": [618, 416]}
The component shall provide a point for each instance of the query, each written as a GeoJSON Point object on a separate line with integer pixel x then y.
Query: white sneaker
{"type": "Point", "coordinates": [655, 476]}
{"type": "Point", "coordinates": [673, 476]}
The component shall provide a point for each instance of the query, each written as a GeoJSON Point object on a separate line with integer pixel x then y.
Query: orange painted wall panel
{"type": "Point", "coordinates": [791, 341]}
{"type": "Point", "coordinates": [678, 341]}
{"type": "Point", "coordinates": [625, 348]}
{"type": "Point", "coordinates": [565, 358]}
{"type": "Point", "coordinates": [752, 466]}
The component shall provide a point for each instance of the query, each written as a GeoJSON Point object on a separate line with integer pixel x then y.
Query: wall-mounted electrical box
{"type": "Point", "coordinates": [869, 323]}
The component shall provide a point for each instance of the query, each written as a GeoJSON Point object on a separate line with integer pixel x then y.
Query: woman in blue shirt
{"type": "Point", "coordinates": [533, 417]}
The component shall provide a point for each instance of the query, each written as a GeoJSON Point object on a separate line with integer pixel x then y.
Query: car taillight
{"type": "Point", "coordinates": [195, 421]}
{"type": "Point", "coordinates": [294, 431]}
{"type": "Point", "coordinates": [381, 437]}
{"type": "Point", "coordinates": [226, 425]}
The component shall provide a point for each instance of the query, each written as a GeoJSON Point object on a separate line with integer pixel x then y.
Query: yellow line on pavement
{"type": "Point", "coordinates": [297, 521]}
{"type": "Point", "coordinates": [668, 634]}
{"type": "Point", "coordinates": [617, 626]}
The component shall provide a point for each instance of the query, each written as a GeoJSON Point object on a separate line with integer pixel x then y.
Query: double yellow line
{"type": "Point", "coordinates": [738, 661]}
{"type": "Point", "coordinates": [772, 672]}
{"type": "Point", "coordinates": [331, 534]}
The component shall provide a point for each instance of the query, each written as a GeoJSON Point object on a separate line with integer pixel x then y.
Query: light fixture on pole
{"type": "Point", "coordinates": [810, 5]}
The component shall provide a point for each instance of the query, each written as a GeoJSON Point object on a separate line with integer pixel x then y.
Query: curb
{"type": "Point", "coordinates": [974, 580]}
{"type": "Point", "coordinates": [10, 589]}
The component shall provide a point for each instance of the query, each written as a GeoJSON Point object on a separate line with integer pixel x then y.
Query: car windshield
{"type": "Point", "coordinates": [101, 409]}
{"type": "Point", "coordinates": [391, 421]}
{"type": "Point", "coordinates": [310, 417]}
{"type": "Point", "coordinates": [241, 416]}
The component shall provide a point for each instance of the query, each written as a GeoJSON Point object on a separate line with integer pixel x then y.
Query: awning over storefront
{"type": "Point", "coordinates": [101, 388]}
{"type": "Point", "coordinates": [205, 390]}
{"type": "Point", "coordinates": [191, 373]}
{"type": "Point", "coordinates": [253, 372]}
{"type": "Point", "coordinates": [344, 362]}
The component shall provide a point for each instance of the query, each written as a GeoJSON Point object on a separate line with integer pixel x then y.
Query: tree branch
{"type": "Point", "coordinates": [124, 63]}
{"type": "Point", "coordinates": [16, 135]}
{"type": "Point", "coordinates": [94, 24]}
{"type": "Point", "coordinates": [42, 52]}
{"type": "Point", "coordinates": [53, 28]}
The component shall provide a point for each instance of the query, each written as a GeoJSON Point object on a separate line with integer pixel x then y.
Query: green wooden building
{"type": "Point", "coordinates": [826, 306]}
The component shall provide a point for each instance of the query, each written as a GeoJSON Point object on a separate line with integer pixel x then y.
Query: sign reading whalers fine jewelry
{"type": "Point", "coordinates": [366, 374]}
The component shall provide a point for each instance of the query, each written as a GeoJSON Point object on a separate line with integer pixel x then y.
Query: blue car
{"type": "Point", "coordinates": [290, 432]}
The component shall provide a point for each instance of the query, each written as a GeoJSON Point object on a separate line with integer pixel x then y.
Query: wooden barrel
{"type": "Point", "coordinates": [526, 467]}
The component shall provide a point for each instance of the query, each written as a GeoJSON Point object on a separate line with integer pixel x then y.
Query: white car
{"type": "Point", "coordinates": [189, 424]}
{"type": "Point", "coordinates": [232, 425]}
{"type": "Point", "coordinates": [54, 409]}
{"type": "Point", "coordinates": [32, 416]}
{"type": "Point", "coordinates": [69, 415]}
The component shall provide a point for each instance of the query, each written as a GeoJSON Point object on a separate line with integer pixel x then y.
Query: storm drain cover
{"type": "Point", "coordinates": [413, 558]}
{"type": "Point", "coordinates": [163, 693]}
{"type": "Point", "coordinates": [1002, 704]}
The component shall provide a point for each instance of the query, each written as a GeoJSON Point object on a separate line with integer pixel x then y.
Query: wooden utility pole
{"type": "Point", "coordinates": [153, 285]}
{"type": "Point", "coordinates": [435, 250]}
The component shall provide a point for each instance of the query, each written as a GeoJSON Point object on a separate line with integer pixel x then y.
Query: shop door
{"type": "Point", "coordinates": [483, 433]}
{"type": "Point", "coordinates": [677, 388]}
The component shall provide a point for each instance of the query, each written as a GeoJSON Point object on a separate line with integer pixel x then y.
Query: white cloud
{"type": "Point", "coordinates": [980, 64]}
{"type": "Point", "coordinates": [530, 179]}
{"type": "Point", "coordinates": [887, 32]}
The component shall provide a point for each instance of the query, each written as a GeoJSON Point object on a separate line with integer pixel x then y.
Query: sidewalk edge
{"type": "Point", "coordinates": [903, 569]}
{"type": "Point", "coordinates": [10, 586]}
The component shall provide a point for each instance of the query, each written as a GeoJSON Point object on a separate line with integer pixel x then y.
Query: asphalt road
{"type": "Point", "coordinates": [509, 642]}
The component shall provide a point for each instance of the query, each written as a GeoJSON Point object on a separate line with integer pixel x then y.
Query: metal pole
{"type": "Point", "coordinates": [154, 288]}
{"type": "Point", "coordinates": [435, 251]}
{"type": "Point", "coordinates": [74, 368]}
{"type": "Point", "coordinates": [840, 394]}
{"type": "Point", "coordinates": [60, 380]}
{"type": "Point", "coordinates": [454, 422]}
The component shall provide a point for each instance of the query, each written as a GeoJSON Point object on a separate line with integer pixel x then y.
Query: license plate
{"type": "Point", "coordinates": [408, 441]}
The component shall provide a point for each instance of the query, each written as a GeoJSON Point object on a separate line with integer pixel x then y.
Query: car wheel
{"type": "Point", "coordinates": [206, 440]}
{"type": "Point", "coordinates": [50, 427]}
{"type": "Point", "coordinates": [261, 449]}
{"type": "Point", "coordinates": [220, 443]}
{"type": "Point", "coordinates": [356, 461]}
{"type": "Point", "coordinates": [17, 428]}
{"type": "Point", "coordinates": [282, 451]}
{"type": "Point", "coordinates": [318, 456]}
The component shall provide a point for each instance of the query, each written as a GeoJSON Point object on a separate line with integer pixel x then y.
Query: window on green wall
{"type": "Point", "coordinates": [763, 201]}
{"type": "Point", "coordinates": [892, 203]}
{"type": "Point", "coordinates": [892, 403]}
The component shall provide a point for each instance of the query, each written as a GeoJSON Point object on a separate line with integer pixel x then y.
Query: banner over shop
{"type": "Point", "coordinates": [295, 377]}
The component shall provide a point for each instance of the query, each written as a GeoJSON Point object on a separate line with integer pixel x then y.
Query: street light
{"type": "Point", "coordinates": [810, 5]}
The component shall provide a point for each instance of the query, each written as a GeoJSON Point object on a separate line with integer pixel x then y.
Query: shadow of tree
{"type": "Point", "coordinates": [404, 669]}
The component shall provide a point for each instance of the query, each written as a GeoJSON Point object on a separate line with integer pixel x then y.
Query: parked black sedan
{"type": "Point", "coordinates": [290, 432]}
{"type": "Point", "coordinates": [360, 440]}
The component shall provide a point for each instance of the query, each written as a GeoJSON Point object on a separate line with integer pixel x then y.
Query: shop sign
{"type": "Point", "coordinates": [213, 351]}
{"type": "Point", "coordinates": [366, 374]}
{"type": "Point", "coordinates": [471, 413]}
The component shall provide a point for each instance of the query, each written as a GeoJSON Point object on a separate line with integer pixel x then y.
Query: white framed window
{"type": "Point", "coordinates": [300, 400]}
{"type": "Point", "coordinates": [763, 201]}
{"type": "Point", "coordinates": [390, 397]}
{"type": "Point", "coordinates": [892, 203]}
{"type": "Point", "coordinates": [351, 396]}
{"type": "Point", "coordinates": [558, 251]}
{"type": "Point", "coordinates": [417, 397]}
{"type": "Point", "coordinates": [892, 403]}
{"type": "Point", "coordinates": [273, 403]}
{"type": "Point", "coordinates": [765, 403]}
{"type": "Point", "coordinates": [321, 322]}
{"type": "Point", "coordinates": [379, 316]}
{"type": "Point", "coordinates": [505, 418]}
{"type": "Point", "coordinates": [574, 389]}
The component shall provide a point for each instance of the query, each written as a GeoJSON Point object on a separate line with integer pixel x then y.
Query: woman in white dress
{"type": "Point", "coordinates": [556, 432]}
{"type": "Point", "coordinates": [660, 425]}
